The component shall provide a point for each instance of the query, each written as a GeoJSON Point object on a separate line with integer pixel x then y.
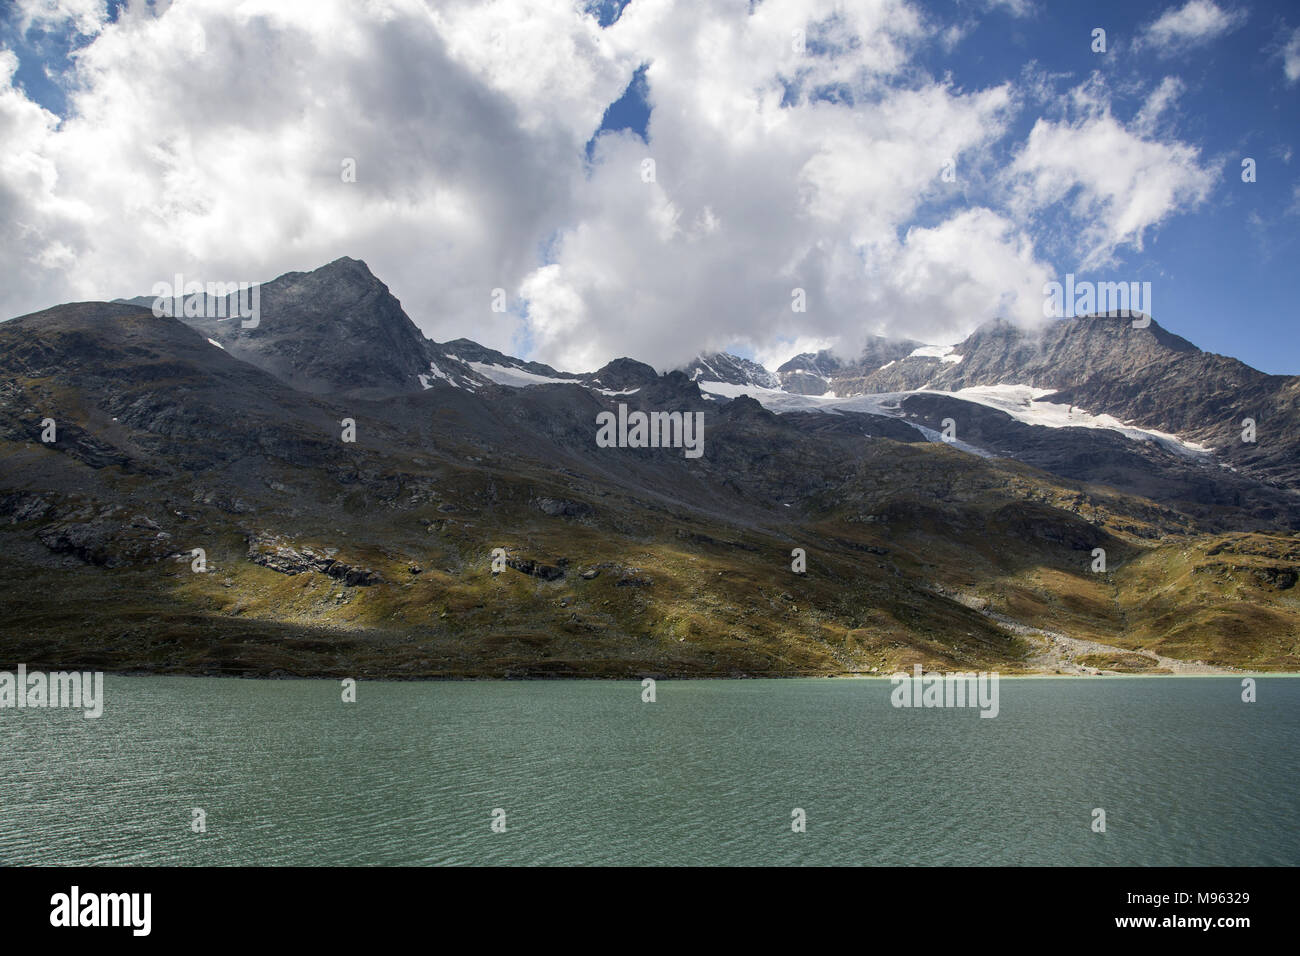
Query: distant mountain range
{"type": "Point", "coordinates": [950, 501]}
{"type": "Point", "coordinates": [1159, 412]}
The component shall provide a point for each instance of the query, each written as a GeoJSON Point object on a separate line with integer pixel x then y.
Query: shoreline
{"type": "Point", "coordinates": [678, 677]}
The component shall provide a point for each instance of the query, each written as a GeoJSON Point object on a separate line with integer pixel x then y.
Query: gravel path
{"type": "Point", "coordinates": [1058, 653]}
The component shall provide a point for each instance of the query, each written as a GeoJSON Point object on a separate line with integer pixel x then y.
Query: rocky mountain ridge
{"type": "Point", "coordinates": [339, 331]}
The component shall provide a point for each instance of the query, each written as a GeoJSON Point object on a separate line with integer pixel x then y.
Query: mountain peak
{"type": "Point", "coordinates": [731, 369]}
{"type": "Point", "coordinates": [623, 374]}
{"type": "Point", "coordinates": [346, 265]}
{"type": "Point", "coordinates": [344, 277]}
{"type": "Point", "coordinates": [334, 330]}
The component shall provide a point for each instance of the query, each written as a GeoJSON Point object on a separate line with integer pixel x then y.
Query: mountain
{"type": "Point", "coordinates": [821, 372]}
{"type": "Point", "coordinates": [808, 373]}
{"type": "Point", "coordinates": [467, 364]}
{"type": "Point", "coordinates": [732, 369]}
{"type": "Point", "coordinates": [336, 330]}
{"type": "Point", "coordinates": [1148, 377]}
{"type": "Point", "coordinates": [339, 331]}
{"type": "Point", "coordinates": [349, 501]}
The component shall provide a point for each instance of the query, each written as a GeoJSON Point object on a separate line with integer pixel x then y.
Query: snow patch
{"type": "Point", "coordinates": [1021, 402]}
{"type": "Point", "coordinates": [515, 377]}
{"type": "Point", "coordinates": [776, 400]}
{"type": "Point", "coordinates": [943, 352]}
{"type": "Point", "coordinates": [1024, 403]}
{"type": "Point", "coordinates": [427, 382]}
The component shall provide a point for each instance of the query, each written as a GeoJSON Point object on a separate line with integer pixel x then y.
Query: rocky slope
{"type": "Point", "coordinates": [1145, 376]}
{"type": "Point", "coordinates": [732, 369]}
{"type": "Point", "coordinates": [334, 331]}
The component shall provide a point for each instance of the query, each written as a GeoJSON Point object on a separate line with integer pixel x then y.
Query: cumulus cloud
{"type": "Point", "coordinates": [796, 146]}
{"type": "Point", "coordinates": [35, 222]}
{"type": "Point", "coordinates": [773, 173]}
{"type": "Point", "coordinates": [1115, 181]}
{"type": "Point", "coordinates": [1194, 24]}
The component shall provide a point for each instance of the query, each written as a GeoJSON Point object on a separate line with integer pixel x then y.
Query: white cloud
{"type": "Point", "coordinates": [565, 82]}
{"type": "Point", "coordinates": [1116, 182]}
{"type": "Point", "coordinates": [1017, 8]}
{"type": "Point", "coordinates": [1291, 57]}
{"type": "Point", "coordinates": [952, 35]}
{"type": "Point", "coordinates": [753, 200]}
{"type": "Point", "coordinates": [1194, 24]}
{"type": "Point", "coordinates": [1159, 102]}
{"type": "Point", "coordinates": [87, 17]}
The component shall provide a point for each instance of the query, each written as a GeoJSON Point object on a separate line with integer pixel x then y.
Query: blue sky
{"type": "Point", "coordinates": [740, 211]}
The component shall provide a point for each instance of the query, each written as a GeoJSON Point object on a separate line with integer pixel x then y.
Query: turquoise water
{"type": "Point", "coordinates": [708, 774]}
